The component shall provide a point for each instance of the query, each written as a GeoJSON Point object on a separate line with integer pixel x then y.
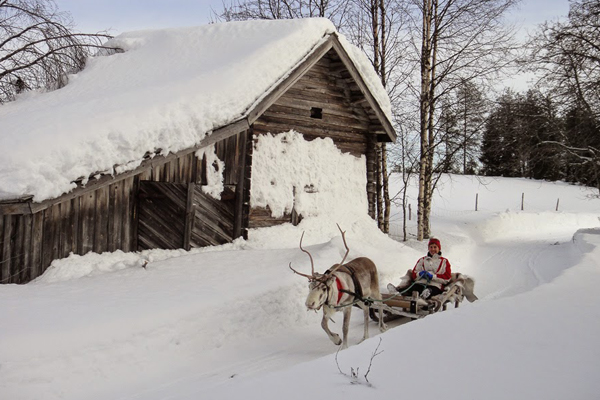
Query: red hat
{"type": "Point", "coordinates": [435, 241]}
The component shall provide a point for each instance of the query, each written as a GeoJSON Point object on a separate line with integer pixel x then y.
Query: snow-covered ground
{"type": "Point", "coordinates": [229, 321]}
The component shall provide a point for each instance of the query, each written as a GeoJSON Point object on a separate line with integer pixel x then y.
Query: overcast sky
{"type": "Point", "coordinates": [119, 16]}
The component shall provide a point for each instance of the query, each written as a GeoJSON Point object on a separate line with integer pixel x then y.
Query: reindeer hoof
{"type": "Point", "coordinates": [383, 328]}
{"type": "Point", "coordinates": [336, 339]}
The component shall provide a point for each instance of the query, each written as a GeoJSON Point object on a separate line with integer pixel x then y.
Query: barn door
{"type": "Point", "coordinates": [176, 215]}
{"type": "Point", "coordinates": [162, 209]}
{"type": "Point", "coordinates": [212, 219]}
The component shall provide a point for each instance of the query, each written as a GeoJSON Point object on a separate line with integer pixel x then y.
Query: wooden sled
{"type": "Point", "coordinates": [396, 305]}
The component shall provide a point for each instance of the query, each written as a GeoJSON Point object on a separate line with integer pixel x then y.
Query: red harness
{"type": "Point", "coordinates": [339, 287]}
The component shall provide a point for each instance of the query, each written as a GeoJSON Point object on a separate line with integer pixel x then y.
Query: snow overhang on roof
{"type": "Point", "coordinates": [170, 90]}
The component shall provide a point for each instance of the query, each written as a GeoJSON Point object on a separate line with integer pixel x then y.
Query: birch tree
{"type": "Point", "coordinates": [378, 27]}
{"type": "Point", "coordinates": [460, 41]}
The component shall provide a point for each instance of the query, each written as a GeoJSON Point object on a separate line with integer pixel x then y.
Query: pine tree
{"type": "Point", "coordinates": [520, 136]}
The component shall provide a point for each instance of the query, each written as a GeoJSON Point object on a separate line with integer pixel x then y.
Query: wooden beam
{"type": "Point", "coordinates": [238, 209]}
{"type": "Point", "coordinates": [223, 133]}
{"type": "Point", "coordinates": [14, 208]}
{"type": "Point", "coordinates": [5, 248]}
{"type": "Point", "coordinates": [190, 214]}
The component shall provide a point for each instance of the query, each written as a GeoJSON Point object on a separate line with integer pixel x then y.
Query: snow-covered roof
{"type": "Point", "coordinates": [168, 90]}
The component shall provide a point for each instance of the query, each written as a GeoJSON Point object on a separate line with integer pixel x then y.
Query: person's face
{"type": "Point", "coordinates": [433, 248]}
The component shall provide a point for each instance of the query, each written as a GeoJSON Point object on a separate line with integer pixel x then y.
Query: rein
{"type": "Point", "coordinates": [368, 301]}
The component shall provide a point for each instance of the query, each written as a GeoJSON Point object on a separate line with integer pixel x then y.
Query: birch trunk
{"type": "Point", "coordinates": [425, 104]}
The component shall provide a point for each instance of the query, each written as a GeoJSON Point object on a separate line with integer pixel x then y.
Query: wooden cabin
{"type": "Point", "coordinates": [160, 204]}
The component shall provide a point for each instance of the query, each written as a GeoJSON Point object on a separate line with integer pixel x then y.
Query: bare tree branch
{"type": "Point", "coordinates": [39, 48]}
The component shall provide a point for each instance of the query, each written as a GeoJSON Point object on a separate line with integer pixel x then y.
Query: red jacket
{"type": "Point", "coordinates": [437, 265]}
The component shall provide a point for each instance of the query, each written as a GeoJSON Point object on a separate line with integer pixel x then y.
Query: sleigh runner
{"type": "Point", "coordinates": [402, 302]}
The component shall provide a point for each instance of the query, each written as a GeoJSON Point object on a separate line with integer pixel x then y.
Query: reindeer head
{"type": "Point", "coordinates": [318, 291]}
{"type": "Point", "coordinates": [319, 285]}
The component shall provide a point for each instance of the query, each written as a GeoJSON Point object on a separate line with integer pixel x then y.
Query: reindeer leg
{"type": "Point", "coordinates": [334, 337]}
{"type": "Point", "coordinates": [347, 314]}
{"type": "Point", "coordinates": [382, 326]}
{"type": "Point", "coordinates": [366, 315]}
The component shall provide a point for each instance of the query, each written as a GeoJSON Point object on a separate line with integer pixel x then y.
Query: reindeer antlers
{"type": "Point", "coordinates": [345, 245]}
{"type": "Point", "coordinates": [347, 250]}
{"type": "Point", "coordinates": [312, 264]}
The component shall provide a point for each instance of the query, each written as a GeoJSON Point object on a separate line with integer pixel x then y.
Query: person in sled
{"type": "Point", "coordinates": [429, 275]}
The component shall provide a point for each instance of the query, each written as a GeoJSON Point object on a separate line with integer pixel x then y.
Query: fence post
{"type": "Point", "coordinates": [522, 201]}
{"type": "Point", "coordinates": [476, 200]}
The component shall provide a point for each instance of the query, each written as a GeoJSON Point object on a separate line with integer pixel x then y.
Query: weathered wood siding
{"type": "Point", "coordinates": [179, 215]}
{"type": "Point", "coordinates": [103, 217]}
{"type": "Point", "coordinates": [212, 220]}
{"type": "Point", "coordinates": [322, 88]}
{"type": "Point", "coordinates": [162, 214]}
{"type": "Point", "coordinates": [261, 217]}
{"type": "Point", "coordinates": [322, 103]}
{"type": "Point", "coordinates": [99, 221]}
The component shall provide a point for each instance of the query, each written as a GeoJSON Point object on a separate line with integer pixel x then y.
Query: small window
{"type": "Point", "coordinates": [316, 113]}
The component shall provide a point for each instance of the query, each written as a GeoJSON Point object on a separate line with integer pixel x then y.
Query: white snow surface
{"type": "Point", "coordinates": [214, 171]}
{"type": "Point", "coordinates": [168, 90]}
{"type": "Point", "coordinates": [310, 176]}
{"type": "Point", "coordinates": [229, 321]}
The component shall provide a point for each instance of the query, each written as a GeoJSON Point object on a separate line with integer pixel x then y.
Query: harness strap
{"type": "Point", "coordinates": [357, 286]}
{"type": "Point", "coordinates": [358, 295]}
{"type": "Point", "coordinates": [340, 288]}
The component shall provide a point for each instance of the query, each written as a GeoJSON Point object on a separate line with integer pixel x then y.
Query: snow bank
{"type": "Point", "coordinates": [514, 225]}
{"type": "Point", "coordinates": [588, 241]}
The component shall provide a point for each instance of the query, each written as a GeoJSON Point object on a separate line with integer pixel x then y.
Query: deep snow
{"type": "Point", "coordinates": [229, 321]}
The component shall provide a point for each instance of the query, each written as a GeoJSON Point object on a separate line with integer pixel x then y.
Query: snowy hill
{"type": "Point", "coordinates": [230, 321]}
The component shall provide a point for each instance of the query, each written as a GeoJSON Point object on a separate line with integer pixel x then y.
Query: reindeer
{"type": "Point", "coordinates": [341, 287]}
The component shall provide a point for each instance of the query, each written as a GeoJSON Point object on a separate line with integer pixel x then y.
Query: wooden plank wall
{"type": "Point", "coordinates": [97, 221]}
{"type": "Point", "coordinates": [212, 220]}
{"type": "Point", "coordinates": [260, 217]}
{"type": "Point", "coordinates": [162, 215]}
{"type": "Point", "coordinates": [100, 220]}
{"type": "Point", "coordinates": [343, 121]}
